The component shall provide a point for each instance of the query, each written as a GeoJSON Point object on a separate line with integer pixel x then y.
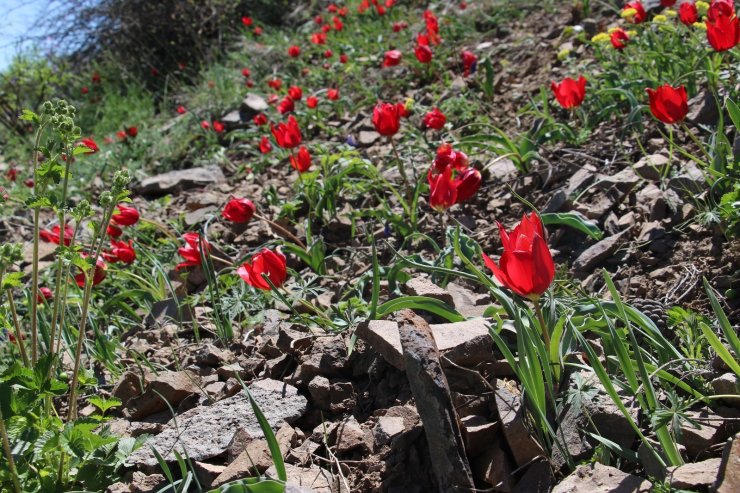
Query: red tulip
{"type": "Point", "coordinates": [312, 101]}
{"type": "Point", "coordinates": [132, 132]}
{"type": "Point", "coordinates": [44, 294]}
{"type": "Point", "coordinates": [191, 251]}
{"type": "Point", "coordinates": [723, 33]}
{"type": "Point", "coordinates": [265, 146]}
{"type": "Point", "coordinates": [287, 135]}
{"type": "Point", "coordinates": [423, 53]}
{"type": "Point", "coordinates": [246, 73]}
{"type": "Point", "coordinates": [403, 111]}
{"type": "Point", "coordinates": [318, 20]}
{"type": "Point", "coordinates": [468, 183]}
{"type": "Point", "coordinates": [181, 110]}
{"type": "Point", "coordinates": [294, 51]}
{"type": "Point", "coordinates": [447, 156]}
{"type": "Point", "coordinates": [435, 119]}
{"type": "Point", "coordinates": [338, 24]}
{"type": "Point", "coordinates": [121, 134]}
{"type": "Point", "coordinates": [121, 252]}
{"type": "Point", "coordinates": [295, 93]}
{"type": "Point", "coordinates": [239, 210]}
{"type": "Point", "coordinates": [205, 125]}
{"type": "Point", "coordinates": [332, 94]}
{"type": "Point", "coordinates": [127, 216]}
{"type": "Point", "coordinates": [328, 54]}
{"type": "Point", "coordinates": [218, 126]}
{"type": "Point", "coordinates": [432, 25]}
{"type": "Point", "coordinates": [569, 93]}
{"type": "Point", "coordinates": [640, 15]}
{"type": "Point", "coordinates": [451, 180]}
{"type": "Point", "coordinates": [265, 263]}
{"type": "Point", "coordinates": [619, 38]}
{"type": "Point", "coordinates": [54, 235]}
{"type": "Point", "coordinates": [85, 90]}
{"type": "Point", "coordinates": [318, 38]}
{"type": "Point", "coordinates": [687, 13]}
{"type": "Point", "coordinates": [95, 78]}
{"type": "Point", "coordinates": [386, 119]}
{"type": "Point", "coordinates": [29, 182]}
{"type": "Point", "coordinates": [470, 61]}
{"type": "Point", "coordinates": [526, 266]}
{"type": "Point", "coordinates": [11, 174]}
{"type": "Point", "coordinates": [99, 273]}
{"type": "Point", "coordinates": [257, 31]}
{"type": "Point", "coordinates": [442, 189]}
{"type": "Point", "coordinates": [301, 161]}
{"type": "Point", "coordinates": [273, 99]}
{"type": "Point", "coordinates": [286, 105]}
{"type": "Point", "coordinates": [725, 8]}
{"type": "Point", "coordinates": [247, 21]}
{"type": "Point", "coordinates": [343, 58]}
{"type": "Point", "coordinates": [399, 26]}
{"type": "Point", "coordinates": [90, 144]}
{"type": "Point", "coordinates": [114, 231]}
{"type": "Point", "coordinates": [259, 119]}
{"type": "Point", "coordinates": [392, 58]}
{"type": "Point", "coordinates": [668, 104]}
{"type": "Point", "coordinates": [275, 84]}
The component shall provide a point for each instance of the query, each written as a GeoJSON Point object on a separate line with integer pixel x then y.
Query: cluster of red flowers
{"type": "Point", "coordinates": [451, 178]}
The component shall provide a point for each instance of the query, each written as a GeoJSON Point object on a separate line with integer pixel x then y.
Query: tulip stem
{"type": "Point", "coordinates": [281, 230]}
{"type": "Point", "coordinates": [543, 325]}
{"type": "Point", "coordinates": [17, 329]}
{"type": "Point", "coordinates": [402, 171]}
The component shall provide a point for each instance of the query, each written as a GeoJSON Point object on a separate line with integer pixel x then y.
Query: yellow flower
{"type": "Point", "coordinates": [660, 19]}
{"type": "Point", "coordinates": [670, 13]}
{"type": "Point", "coordinates": [628, 13]}
{"type": "Point", "coordinates": [563, 54]}
{"type": "Point", "coordinates": [702, 7]}
{"type": "Point", "coordinates": [601, 38]}
{"type": "Point", "coordinates": [700, 25]}
{"type": "Point", "coordinates": [409, 104]}
{"type": "Point", "coordinates": [632, 33]}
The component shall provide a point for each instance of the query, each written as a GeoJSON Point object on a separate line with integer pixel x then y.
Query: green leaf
{"type": "Point", "coordinates": [12, 280]}
{"type": "Point", "coordinates": [29, 116]}
{"type": "Point", "coordinates": [425, 303]}
{"type": "Point", "coordinates": [734, 112]}
{"type": "Point", "coordinates": [573, 220]}
{"type": "Point", "coordinates": [104, 404]}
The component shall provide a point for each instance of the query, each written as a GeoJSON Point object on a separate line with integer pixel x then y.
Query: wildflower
{"type": "Point", "coordinates": [312, 101]}
{"type": "Point", "coordinates": [723, 32]}
{"type": "Point", "coordinates": [392, 58]}
{"type": "Point", "coordinates": [328, 54]}
{"type": "Point", "coordinates": [720, 8]}
{"type": "Point", "coordinates": [247, 21]}
{"type": "Point", "coordinates": [265, 146]}
{"type": "Point", "coordinates": [121, 252]}
{"type": "Point", "coordinates": [265, 263]}
{"type": "Point", "coordinates": [257, 31]}
{"type": "Point", "coordinates": [668, 104]}
{"type": "Point", "coordinates": [526, 266]}
{"type": "Point", "coordinates": [11, 174]}
{"type": "Point", "coordinates": [259, 119]}
{"type": "Point", "coordinates": [688, 14]}
{"type": "Point", "coordinates": [127, 216]}
{"type": "Point", "coordinates": [294, 51]}
{"type": "Point", "coordinates": [601, 38]}
{"type": "Point", "coordinates": [332, 94]}
{"type": "Point", "coordinates": [286, 105]}
{"type": "Point", "coordinates": [338, 24]}
{"type": "Point", "coordinates": [218, 126]}
{"type": "Point", "coordinates": [399, 26]}
{"type": "Point", "coordinates": [435, 119]}
{"type": "Point", "coordinates": [275, 84]}
{"type": "Point", "coordinates": [295, 93]}
{"type": "Point", "coordinates": [470, 61]}
{"type": "Point", "coordinates": [114, 231]}
{"type": "Point", "coordinates": [318, 38]}
{"type": "Point", "coordinates": [132, 132]}
{"type": "Point", "coordinates": [569, 92]}
{"type": "Point", "coordinates": [54, 235]}
{"type": "Point", "coordinates": [85, 90]}
{"type": "Point", "coordinates": [191, 252]}
{"type": "Point", "coordinates": [386, 119]}
{"type": "Point", "coordinates": [619, 38]}
{"type": "Point", "coordinates": [423, 53]}
{"type": "Point", "coordinates": [246, 72]}
{"type": "Point", "coordinates": [44, 294]}
{"type": "Point", "coordinates": [205, 125]}
{"type": "Point", "coordinates": [634, 12]}
{"type": "Point", "coordinates": [343, 58]}
{"type": "Point", "coordinates": [181, 110]}
{"type": "Point", "coordinates": [99, 273]}
{"type": "Point", "coordinates": [287, 135]}
{"type": "Point", "coordinates": [301, 161]}
{"type": "Point", "coordinates": [667, 3]}
{"type": "Point", "coordinates": [239, 210]}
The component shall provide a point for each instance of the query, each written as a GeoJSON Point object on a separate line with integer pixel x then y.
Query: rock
{"type": "Point", "coordinates": [327, 356]}
{"type": "Point", "coordinates": [703, 109]}
{"type": "Point", "coordinates": [314, 478]}
{"type": "Point", "coordinates": [710, 430]}
{"type": "Point", "coordinates": [238, 444]}
{"type": "Point", "coordinates": [319, 388]}
{"type": "Point", "coordinates": [212, 356]}
{"type": "Point", "coordinates": [349, 436]}
{"type": "Point", "coordinates": [466, 302]}
{"type": "Point", "coordinates": [494, 468]}
{"type": "Point", "coordinates": [118, 488]}
{"type": "Point", "coordinates": [651, 167]}
{"type": "Point", "coordinates": [207, 473]}
{"type": "Point", "coordinates": [503, 169]}
{"type": "Point", "coordinates": [596, 253]}
{"type": "Point", "coordinates": [207, 431]}
{"type": "Point", "coordinates": [556, 202]}
{"type": "Point", "coordinates": [386, 429]}
{"type": "Point", "coordinates": [520, 438]}
{"type": "Point", "coordinates": [129, 386]}
{"type": "Point", "coordinates": [624, 181]}
{"type": "Point", "coordinates": [597, 478]}
{"type": "Point", "coordinates": [434, 403]}
{"type": "Point", "coordinates": [179, 180]}
{"type": "Point", "coordinates": [651, 231]}
{"type": "Point", "coordinates": [342, 396]}
{"type": "Point", "coordinates": [253, 104]}
{"type": "Point", "coordinates": [421, 286]}
{"type": "Point", "coordinates": [728, 384]}
{"type": "Point", "coordinates": [696, 476]}
{"type": "Point", "coordinates": [293, 341]}
{"type": "Point", "coordinates": [728, 479]}
{"type": "Point", "coordinates": [597, 410]}
{"type": "Point", "coordinates": [141, 483]}
{"type": "Point", "coordinates": [689, 181]}
{"type": "Point", "coordinates": [256, 457]}
{"type": "Point", "coordinates": [366, 138]}
{"type": "Point", "coordinates": [538, 478]}
{"type": "Point", "coordinates": [580, 179]}
{"type": "Point", "coordinates": [463, 343]}
{"type": "Point", "coordinates": [166, 389]}
{"type": "Point", "coordinates": [478, 434]}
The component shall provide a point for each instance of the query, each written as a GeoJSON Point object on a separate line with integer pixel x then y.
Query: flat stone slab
{"type": "Point", "coordinates": [598, 478]}
{"type": "Point", "coordinates": [178, 180]}
{"type": "Point", "coordinates": [206, 431]}
{"type": "Point", "coordinates": [464, 343]}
